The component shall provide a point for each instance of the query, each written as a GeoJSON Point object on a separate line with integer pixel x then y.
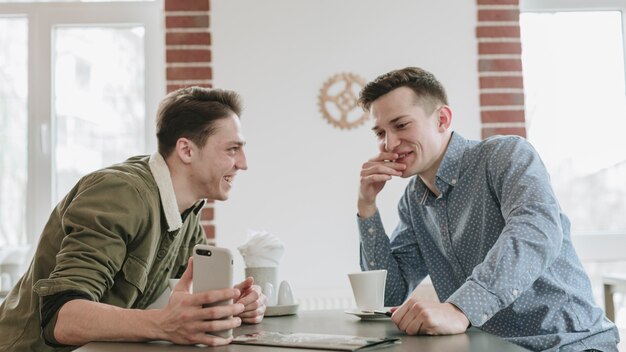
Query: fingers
{"type": "Point", "coordinates": [384, 158]}
{"type": "Point", "coordinates": [218, 325]}
{"type": "Point", "coordinates": [398, 313]}
{"type": "Point", "coordinates": [247, 283]}
{"type": "Point", "coordinates": [184, 284]}
{"type": "Point", "coordinates": [429, 318]}
{"type": "Point", "coordinates": [252, 295]}
{"type": "Point", "coordinates": [374, 175]}
{"type": "Point", "coordinates": [382, 167]}
{"type": "Point", "coordinates": [259, 311]}
{"type": "Point", "coordinates": [408, 317]}
{"type": "Point", "coordinates": [375, 178]}
{"type": "Point", "coordinates": [414, 327]}
{"type": "Point", "coordinates": [255, 305]}
{"type": "Point", "coordinates": [253, 316]}
{"type": "Point", "coordinates": [213, 296]}
{"type": "Point", "coordinates": [254, 320]}
{"type": "Point", "coordinates": [209, 326]}
{"type": "Point", "coordinates": [219, 312]}
{"type": "Point", "coordinates": [204, 329]}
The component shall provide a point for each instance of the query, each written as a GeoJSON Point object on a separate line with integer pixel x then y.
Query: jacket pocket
{"type": "Point", "coordinates": [136, 273]}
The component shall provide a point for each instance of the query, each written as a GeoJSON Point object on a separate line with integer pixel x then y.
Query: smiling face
{"type": "Point", "coordinates": [418, 137]}
{"type": "Point", "coordinates": [214, 166]}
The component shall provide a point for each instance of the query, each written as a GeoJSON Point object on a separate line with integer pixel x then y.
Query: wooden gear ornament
{"type": "Point", "coordinates": [338, 101]}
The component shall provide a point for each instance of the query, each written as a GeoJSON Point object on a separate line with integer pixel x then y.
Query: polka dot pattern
{"type": "Point", "coordinates": [495, 244]}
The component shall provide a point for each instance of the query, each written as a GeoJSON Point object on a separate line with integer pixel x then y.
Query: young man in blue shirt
{"type": "Point", "coordinates": [479, 217]}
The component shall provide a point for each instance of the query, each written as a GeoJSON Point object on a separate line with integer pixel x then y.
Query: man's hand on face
{"type": "Point", "coordinates": [416, 317]}
{"type": "Point", "coordinates": [184, 321]}
{"type": "Point", "coordinates": [253, 300]}
{"type": "Point", "coordinates": [374, 174]}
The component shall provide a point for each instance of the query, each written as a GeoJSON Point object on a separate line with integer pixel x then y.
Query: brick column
{"type": "Point", "coordinates": [500, 68]}
{"type": "Point", "coordinates": [188, 60]}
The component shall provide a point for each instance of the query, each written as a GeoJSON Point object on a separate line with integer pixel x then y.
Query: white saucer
{"type": "Point", "coordinates": [276, 311]}
{"type": "Point", "coordinates": [367, 315]}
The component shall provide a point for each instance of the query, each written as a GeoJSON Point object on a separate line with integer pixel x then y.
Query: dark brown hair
{"type": "Point", "coordinates": [428, 90]}
{"type": "Point", "coordinates": [191, 113]}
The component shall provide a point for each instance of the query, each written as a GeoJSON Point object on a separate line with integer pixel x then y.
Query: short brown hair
{"type": "Point", "coordinates": [429, 91]}
{"type": "Point", "coordinates": [191, 113]}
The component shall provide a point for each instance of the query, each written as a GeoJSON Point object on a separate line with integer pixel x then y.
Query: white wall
{"type": "Point", "coordinates": [303, 173]}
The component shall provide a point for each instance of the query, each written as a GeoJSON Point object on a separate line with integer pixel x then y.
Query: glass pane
{"type": "Point", "coordinates": [576, 112]}
{"type": "Point", "coordinates": [13, 130]}
{"type": "Point", "coordinates": [98, 100]}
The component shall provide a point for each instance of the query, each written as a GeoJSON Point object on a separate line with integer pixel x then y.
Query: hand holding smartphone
{"type": "Point", "coordinates": [213, 270]}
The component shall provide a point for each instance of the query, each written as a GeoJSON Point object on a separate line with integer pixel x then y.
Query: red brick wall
{"type": "Point", "coordinates": [188, 60]}
{"type": "Point", "coordinates": [500, 68]}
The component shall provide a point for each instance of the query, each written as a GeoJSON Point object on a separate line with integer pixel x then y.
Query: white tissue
{"type": "Point", "coordinates": [262, 249]}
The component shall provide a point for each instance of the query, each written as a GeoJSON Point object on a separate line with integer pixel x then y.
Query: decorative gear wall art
{"type": "Point", "coordinates": [338, 101]}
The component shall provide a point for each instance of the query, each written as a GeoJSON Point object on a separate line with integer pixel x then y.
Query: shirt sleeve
{"type": "Point", "coordinates": [98, 221]}
{"type": "Point", "coordinates": [400, 256]}
{"type": "Point", "coordinates": [529, 242]}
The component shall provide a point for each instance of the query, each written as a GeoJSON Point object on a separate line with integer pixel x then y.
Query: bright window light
{"type": "Point", "coordinates": [576, 112]}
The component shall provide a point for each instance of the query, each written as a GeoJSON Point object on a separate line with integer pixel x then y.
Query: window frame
{"type": "Point", "coordinates": [42, 19]}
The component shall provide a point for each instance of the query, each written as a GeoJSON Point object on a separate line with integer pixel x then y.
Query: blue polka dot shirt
{"type": "Point", "coordinates": [496, 245]}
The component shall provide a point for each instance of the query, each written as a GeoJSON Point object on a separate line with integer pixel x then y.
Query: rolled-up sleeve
{"type": "Point", "coordinates": [400, 255]}
{"type": "Point", "coordinates": [98, 222]}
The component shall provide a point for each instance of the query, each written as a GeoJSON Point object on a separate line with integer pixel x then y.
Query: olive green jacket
{"type": "Point", "coordinates": [117, 237]}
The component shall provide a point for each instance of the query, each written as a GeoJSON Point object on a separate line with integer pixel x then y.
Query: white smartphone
{"type": "Point", "coordinates": [213, 270]}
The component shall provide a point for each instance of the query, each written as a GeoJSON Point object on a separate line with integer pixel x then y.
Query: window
{"type": "Point", "coordinates": [576, 111]}
{"type": "Point", "coordinates": [575, 91]}
{"type": "Point", "coordinates": [98, 101]}
{"type": "Point", "coordinates": [79, 86]}
{"type": "Point", "coordinates": [13, 130]}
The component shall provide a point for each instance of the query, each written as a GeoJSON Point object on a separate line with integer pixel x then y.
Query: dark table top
{"type": "Point", "coordinates": [333, 322]}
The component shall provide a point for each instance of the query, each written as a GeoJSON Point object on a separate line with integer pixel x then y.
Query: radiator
{"type": "Point", "coordinates": [325, 299]}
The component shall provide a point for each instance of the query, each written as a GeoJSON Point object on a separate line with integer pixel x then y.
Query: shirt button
{"type": "Point", "coordinates": [454, 181]}
{"type": "Point", "coordinates": [161, 253]}
{"type": "Point", "coordinates": [370, 230]}
{"type": "Point", "coordinates": [372, 263]}
{"type": "Point", "coordinates": [485, 317]}
{"type": "Point", "coordinates": [515, 292]}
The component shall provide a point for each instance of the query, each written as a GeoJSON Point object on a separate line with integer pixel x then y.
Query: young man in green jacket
{"type": "Point", "coordinates": [112, 243]}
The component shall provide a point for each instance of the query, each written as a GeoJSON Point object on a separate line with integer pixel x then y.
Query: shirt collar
{"type": "Point", "coordinates": [451, 164]}
{"type": "Point", "coordinates": [448, 172]}
{"type": "Point", "coordinates": [161, 174]}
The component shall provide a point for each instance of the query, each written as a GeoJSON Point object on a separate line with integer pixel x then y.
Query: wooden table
{"type": "Point", "coordinates": [333, 322]}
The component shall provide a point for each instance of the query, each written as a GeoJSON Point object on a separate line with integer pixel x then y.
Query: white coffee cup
{"type": "Point", "coordinates": [263, 275]}
{"type": "Point", "coordinates": [368, 288]}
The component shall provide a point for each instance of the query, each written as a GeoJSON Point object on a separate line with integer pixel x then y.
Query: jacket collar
{"type": "Point", "coordinates": [163, 179]}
